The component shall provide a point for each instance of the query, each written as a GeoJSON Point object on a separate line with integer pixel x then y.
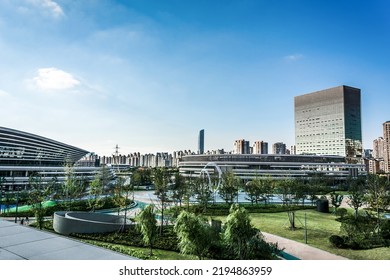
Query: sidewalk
{"type": "Point", "coordinates": [18, 242]}
{"type": "Point", "coordinates": [300, 250]}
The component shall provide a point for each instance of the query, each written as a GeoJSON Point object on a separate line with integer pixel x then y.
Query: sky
{"type": "Point", "coordinates": [148, 75]}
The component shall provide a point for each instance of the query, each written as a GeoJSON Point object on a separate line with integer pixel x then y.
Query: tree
{"type": "Point", "coordinates": [230, 187]}
{"type": "Point", "coordinates": [357, 196]}
{"type": "Point", "coordinates": [121, 187]}
{"type": "Point", "coordinates": [202, 191]}
{"type": "Point", "coordinates": [316, 187]}
{"type": "Point", "coordinates": [73, 187]}
{"type": "Point", "coordinates": [254, 190]}
{"type": "Point", "coordinates": [285, 189]}
{"type": "Point", "coordinates": [136, 179]}
{"type": "Point", "coordinates": [161, 180]}
{"type": "Point", "coordinates": [147, 225]}
{"type": "Point", "coordinates": [336, 200]}
{"type": "Point", "coordinates": [95, 199]}
{"type": "Point", "coordinates": [299, 190]}
{"type": "Point", "coordinates": [179, 188]}
{"type": "Point", "coordinates": [194, 234]}
{"type": "Point", "coordinates": [238, 231]}
{"type": "Point", "coordinates": [38, 193]}
{"type": "Point", "coordinates": [378, 196]}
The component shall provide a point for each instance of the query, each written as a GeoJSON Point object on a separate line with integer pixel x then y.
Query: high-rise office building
{"type": "Point", "coordinates": [328, 122]}
{"type": "Point", "coordinates": [201, 142]}
{"type": "Point", "coordinates": [260, 147]}
{"type": "Point", "coordinates": [386, 150]}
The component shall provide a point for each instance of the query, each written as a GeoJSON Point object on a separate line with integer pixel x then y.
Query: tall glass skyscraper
{"type": "Point", "coordinates": [201, 142]}
{"type": "Point", "coordinates": [328, 122]}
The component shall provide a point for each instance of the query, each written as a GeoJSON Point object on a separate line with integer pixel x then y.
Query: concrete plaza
{"type": "Point", "coordinates": [19, 242]}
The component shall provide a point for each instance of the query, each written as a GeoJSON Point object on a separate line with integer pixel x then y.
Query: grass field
{"type": "Point", "coordinates": [320, 226]}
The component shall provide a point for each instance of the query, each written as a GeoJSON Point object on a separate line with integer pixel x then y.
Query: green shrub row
{"type": "Point", "coordinates": [131, 237]}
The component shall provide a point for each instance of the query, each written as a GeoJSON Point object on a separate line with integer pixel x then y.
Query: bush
{"type": "Point", "coordinates": [359, 232]}
{"type": "Point", "coordinates": [337, 241]}
{"type": "Point", "coordinates": [341, 212]}
{"type": "Point", "coordinates": [385, 230]}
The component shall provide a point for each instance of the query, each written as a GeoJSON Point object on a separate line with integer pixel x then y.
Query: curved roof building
{"type": "Point", "coordinates": [18, 147]}
{"type": "Point", "coordinates": [23, 155]}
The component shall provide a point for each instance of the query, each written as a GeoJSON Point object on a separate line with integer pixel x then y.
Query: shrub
{"type": "Point", "coordinates": [385, 230]}
{"type": "Point", "coordinates": [341, 212]}
{"type": "Point", "coordinates": [337, 241]}
{"type": "Point", "coordinates": [359, 232]}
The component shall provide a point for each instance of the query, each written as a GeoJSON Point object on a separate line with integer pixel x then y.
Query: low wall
{"type": "Point", "coordinates": [86, 222]}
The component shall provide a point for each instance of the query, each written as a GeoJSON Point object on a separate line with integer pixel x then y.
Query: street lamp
{"type": "Point", "coordinates": [2, 192]}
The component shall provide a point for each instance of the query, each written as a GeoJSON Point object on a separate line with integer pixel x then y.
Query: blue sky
{"type": "Point", "coordinates": [148, 75]}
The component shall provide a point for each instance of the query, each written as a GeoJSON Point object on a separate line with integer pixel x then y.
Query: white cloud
{"type": "Point", "coordinates": [294, 57]}
{"type": "Point", "coordinates": [54, 79]}
{"type": "Point", "coordinates": [3, 93]}
{"type": "Point", "coordinates": [49, 5]}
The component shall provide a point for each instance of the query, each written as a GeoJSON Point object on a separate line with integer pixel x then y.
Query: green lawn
{"type": "Point", "coordinates": [320, 226]}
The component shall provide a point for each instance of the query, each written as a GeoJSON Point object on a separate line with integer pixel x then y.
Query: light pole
{"type": "Point", "coordinates": [2, 180]}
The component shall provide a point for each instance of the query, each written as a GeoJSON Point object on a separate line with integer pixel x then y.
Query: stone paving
{"type": "Point", "coordinates": [20, 242]}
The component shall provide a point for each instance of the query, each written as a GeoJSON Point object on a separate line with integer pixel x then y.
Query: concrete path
{"type": "Point", "coordinates": [300, 250]}
{"type": "Point", "coordinates": [19, 242]}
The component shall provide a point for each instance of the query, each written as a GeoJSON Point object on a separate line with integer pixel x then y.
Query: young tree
{"type": "Point", "coordinates": [285, 188]}
{"type": "Point", "coordinates": [254, 190]}
{"type": "Point", "coordinates": [357, 196]}
{"type": "Point", "coordinates": [316, 186]}
{"type": "Point", "coordinates": [147, 225]}
{"type": "Point", "coordinates": [202, 191]}
{"type": "Point", "coordinates": [336, 200]}
{"type": "Point", "coordinates": [238, 231]}
{"type": "Point", "coordinates": [194, 234]}
{"type": "Point", "coordinates": [38, 193]}
{"type": "Point", "coordinates": [230, 187]}
{"type": "Point", "coordinates": [300, 190]}
{"type": "Point", "coordinates": [378, 196]}
{"type": "Point", "coordinates": [73, 187]}
{"type": "Point", "coordinates": [95, 199]}
{"type": "Point", "coordinates": [179, 188]}
{"type": "Point", "coordinates": [161, 180]}
{"type": "Point", "coordinates": [136, 179]}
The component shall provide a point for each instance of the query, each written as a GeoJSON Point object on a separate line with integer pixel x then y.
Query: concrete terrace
{"type": "Point", "coordinates": [18, 242]}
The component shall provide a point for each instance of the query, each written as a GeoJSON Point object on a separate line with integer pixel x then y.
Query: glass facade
{"type": "Point", "coordinates": [201, 142]}
{"type": "Point", "coordinates": [328, 122]}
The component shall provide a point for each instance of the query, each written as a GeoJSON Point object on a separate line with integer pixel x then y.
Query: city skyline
{"type": "Point", "coordinates": [149, 75]}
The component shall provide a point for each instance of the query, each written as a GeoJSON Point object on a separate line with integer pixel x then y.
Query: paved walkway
{"type": "Point", "coordinates": [18, 242]}
{"type": "Point", "coordinates": [300, 250]}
